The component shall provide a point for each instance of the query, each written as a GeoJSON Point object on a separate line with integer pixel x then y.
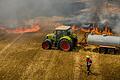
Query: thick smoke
{"type": "Point", "coordinates": [10, 9]}
{"type": "Point", "coordinates": [91, 12]}
{"type": "Point", "coordinates": [116, 26]}
{"type": "Point", "coordinates": [27, 9]}
{"type": "Point", "coordinates": [19, 10]}
{"type": "Point", "coordinates": [101, 13]}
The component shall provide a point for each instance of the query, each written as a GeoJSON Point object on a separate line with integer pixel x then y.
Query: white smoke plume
{"type": "Point", "coordinates": [27, 9]}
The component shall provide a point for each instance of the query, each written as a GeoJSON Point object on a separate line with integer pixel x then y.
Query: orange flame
{"type": "Point", "coordinates": [85, 30]}
{"type": "Point", "coordinates": [107, 30]}
{"type": "Point", "coordinates": [33, 28]}
{"type": "Point", "coordinates": [74, 28]}
{"type": "Point", "coordinates": [96, 30]}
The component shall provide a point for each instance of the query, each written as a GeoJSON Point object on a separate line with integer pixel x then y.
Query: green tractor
{"type": "Point", "coordinates": [63, 38]}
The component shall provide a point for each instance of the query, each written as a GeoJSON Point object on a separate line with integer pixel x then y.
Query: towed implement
{"type": "Point", "coordinates": [104, 42]}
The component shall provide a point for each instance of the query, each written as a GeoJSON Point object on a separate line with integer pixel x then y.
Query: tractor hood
{"type": "Point", "coordinates": [51, 36]}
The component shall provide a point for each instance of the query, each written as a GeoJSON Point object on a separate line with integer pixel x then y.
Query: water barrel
{"type": "Point", "coordinates": [103, 40]}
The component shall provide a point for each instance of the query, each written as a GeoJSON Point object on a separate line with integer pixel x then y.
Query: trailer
{"type": "Point", "coordinates": [104, 42]}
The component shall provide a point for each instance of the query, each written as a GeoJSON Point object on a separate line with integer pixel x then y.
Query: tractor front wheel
{"type": "Point", "coordinates": [65, 45]}
{"type": "Point", "coordinates": [46, 45]}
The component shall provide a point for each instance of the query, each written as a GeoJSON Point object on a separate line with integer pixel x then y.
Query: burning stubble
{"type": "Point", "coordinates": [13, 12]}
{"type": "Point", "coordinates": [99, 11]}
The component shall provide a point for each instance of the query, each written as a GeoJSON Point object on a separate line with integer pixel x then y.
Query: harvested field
{"type": "Point", "coordinates": [22, 58]}
{"type": "Point", "coordinates": [25, 59]}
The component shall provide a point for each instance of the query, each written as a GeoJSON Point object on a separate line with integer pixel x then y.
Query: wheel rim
{"type": "Point", "coordinates": [65, 46]}
{"type": "Point", "coordinates": [45, 45]}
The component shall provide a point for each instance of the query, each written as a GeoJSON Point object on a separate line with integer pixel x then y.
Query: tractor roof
{"type": "Point", "coordinates": [63, 28]}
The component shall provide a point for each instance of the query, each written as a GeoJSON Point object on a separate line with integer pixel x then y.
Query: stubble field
{"type": "Point", "coordinates": [22, 58]}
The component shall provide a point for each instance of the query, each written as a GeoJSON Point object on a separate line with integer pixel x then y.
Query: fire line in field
{"type": "Point", "coordinates": [33, 28]}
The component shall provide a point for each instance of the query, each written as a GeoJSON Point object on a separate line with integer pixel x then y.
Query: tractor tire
{"type": "Point", "coordinates": [65, 45]}
{"type": "Point", "coordinates": [46, 45]}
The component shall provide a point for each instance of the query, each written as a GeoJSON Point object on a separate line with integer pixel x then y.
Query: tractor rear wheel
{"type": "Point", "coordinates": [65, 45]}
{"type": "Point", "coordinates": [46, 45]}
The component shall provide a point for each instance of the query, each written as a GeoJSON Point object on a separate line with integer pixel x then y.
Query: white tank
{"type": "Point", "coordinates": [103, 40]}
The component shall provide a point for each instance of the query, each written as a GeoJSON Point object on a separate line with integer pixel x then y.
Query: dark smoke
{"type": "Point", "coordinates": [101, 14]}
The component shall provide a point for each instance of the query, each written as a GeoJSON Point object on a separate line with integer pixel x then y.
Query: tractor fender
{"type": "Point", "coordinates": [66, 37]}
{"type": "Point", "coordinates": [49, 41]}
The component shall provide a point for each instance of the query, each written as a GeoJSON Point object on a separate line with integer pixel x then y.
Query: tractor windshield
{"type": "Point", "coordinates": [63, 32]}
{"type": "Point", "coordinates": [69, 32]}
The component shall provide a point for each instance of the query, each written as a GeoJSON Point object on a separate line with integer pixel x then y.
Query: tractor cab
{"type": "Point", "coordinates": [62, 38]}
{"type": "Point", "coordinates": [62, 31]}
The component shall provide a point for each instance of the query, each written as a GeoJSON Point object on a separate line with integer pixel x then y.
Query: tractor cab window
{"type": "Point", "coordinates": [69, 32]}
{"type": "Point", "coordinates": [58, 32]}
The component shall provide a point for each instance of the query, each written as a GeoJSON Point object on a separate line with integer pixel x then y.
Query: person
{"type": "Point", "coordinates": [89, 62]}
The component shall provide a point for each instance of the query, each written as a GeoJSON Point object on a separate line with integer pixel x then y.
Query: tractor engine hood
{"type": "Point", "coordinates": [50, 36]}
